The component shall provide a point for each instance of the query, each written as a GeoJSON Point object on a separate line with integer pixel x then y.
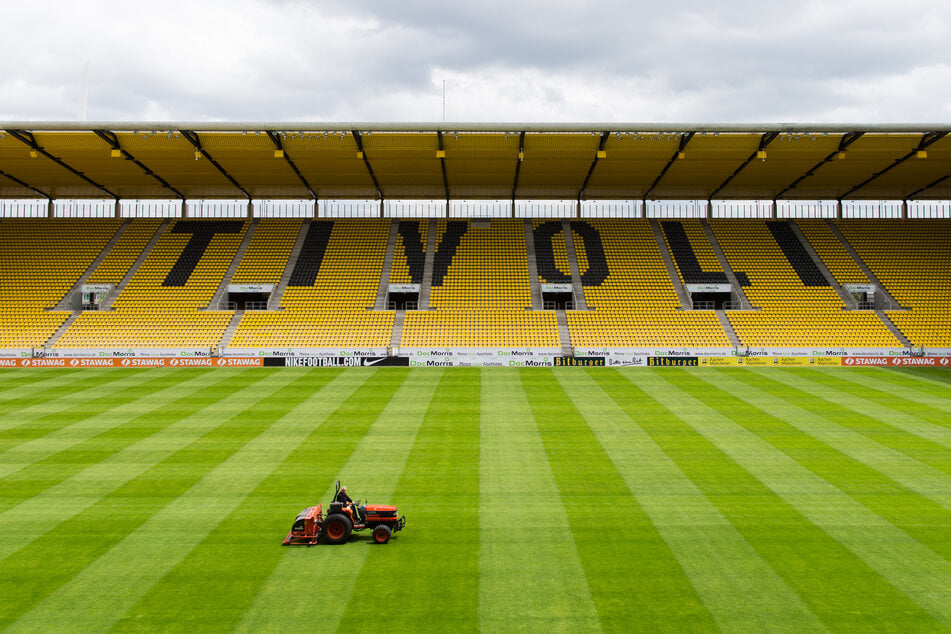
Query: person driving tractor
{"type": "Point", "coordinates": [344, 499]}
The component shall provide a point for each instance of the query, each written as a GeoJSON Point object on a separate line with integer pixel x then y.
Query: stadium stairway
{"type": "Point", "coordinates": [426, 287]}
{"type": "Point", "coordinates": [580, 302]}
{"type": "Point", "coordinates": [685, 303]}
{"type": "Point", "coordinates": [728, 328]}
{"type": "Point", "coordinates": [70, 300]}
{"type": "Point", "coordinates": [533, 267]}
{"type": "Point", "coordinates": [398, 319]}
{"type": "Point", "coordinates": [725, 266]}
{"type": "Point", "coordinates": [380, 303]}
{"type": "Point", "coordinates": [230, 330]}
{"type": "Point", "coordinates": [274, 302]}
{"type": "Point", "coordinates": [62, 329]}
{"type": "Point", "coordinates": [879, 287]}
{"type": "Point", "coordinates": [215, 302]}
{"type": "Point", "coordinates": [109, 299]}
{"type": "Point", "coordinates": [894, 329]}
{"type": "Point", "coordinates": [564, 333]}
{"type": "Point", "coordinates": [847, 297]}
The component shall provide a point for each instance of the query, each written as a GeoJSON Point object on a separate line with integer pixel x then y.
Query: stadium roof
{"type": "Point", "coordinates": [474, 160]}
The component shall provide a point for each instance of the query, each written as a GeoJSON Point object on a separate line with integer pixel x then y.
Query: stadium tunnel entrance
{"type": "Point", "coordinates": [249, 301]}
{"type": "Point", "coordinates": [558, 301]}
{"type": "Point", "coordinates": [712, 301]}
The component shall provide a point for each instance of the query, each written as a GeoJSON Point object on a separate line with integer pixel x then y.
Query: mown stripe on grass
{"type": "Point", "coordinates": [891, 553]}
{"type": "Point", "coordinates": [821, 386]}
{"type": "Point", "coordinates": [372, 469]}
{"type": "Point", "coordinates": [14, 383]}
{"type": "Point", "coordinates": [58, 399]}
{"type": "Point", "coordinates": [839, 587]}
{"type": "Point", "coordinates": [935, 376]}
{"type": "Point", "coordinates": [526, 547]}
{"type": "Point", "coordinates": [17, 384]}
{"type": "Point", "coordinates": [889, 398]}
{"type": "Point", "coordinates": [908, 494]}
{"type": "Point", "coordinates": [933, 454]}
{"type": "Point", "coordinates": [741, 590]}
{"type": "Point", "coordinates": [615, 539]}
{"type": "Point", "coordinates": [216, 583]}
{"type": "Point", "coordinates": [428, 577]}
{"type": "Point", "coordinates": [129, 490]}
{"type": "Point", "coordinates": [915, 463]}
{"type": "Point", "coordinates": [71, 489]}
{"type": "Point", "coordinates": [106, 589]}
{"type": "Point", "coordinates": [934, 395]}
{"type": "Point", "coordinates": [54, 433]}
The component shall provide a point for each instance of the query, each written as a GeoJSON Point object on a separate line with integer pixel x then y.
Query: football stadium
{"type": "Point", "coordinates": [614, 376]}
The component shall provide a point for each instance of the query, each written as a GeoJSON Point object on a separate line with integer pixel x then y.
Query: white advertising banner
{"type": "Point", "coordinates": [481, 357]}
{"type": "Point", "coordinates": [16, 353]}
{"type": "Point", "coordinates": [654, 352]}
{"type": "Point", "coordinates": [250, 288]}
{"type": "Point", "coordinates": [96, 288]}
{"type": "Point", "coordinates": [556, 288]}
{"type": "Point", "coordinates": [709, 288]}
{"type": "Point", "coordinates": [166, 353]}
{"type": "Point", "coordinates": [403, 288]}
{"type": "Point", "coordinates": [859, 288]}
{"type": "Point", "coordinates": [291, 353]}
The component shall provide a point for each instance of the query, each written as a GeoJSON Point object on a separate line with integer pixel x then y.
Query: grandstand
{"type": "Point", "coordinates": [353, 275]}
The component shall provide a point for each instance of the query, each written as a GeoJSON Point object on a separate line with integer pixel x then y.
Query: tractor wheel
{"type": "Point", "coordinates": [381, 534]}
{"type": "Point", "coordinates": [337, 528]}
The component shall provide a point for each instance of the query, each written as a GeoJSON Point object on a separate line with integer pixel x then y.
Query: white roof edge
{"type": "Point", "coordinates": [511, 127]}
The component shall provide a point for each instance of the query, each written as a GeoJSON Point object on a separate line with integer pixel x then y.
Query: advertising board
{"type": "Point", "coordinates": [905, 362]}
{"type": "Point", "coordinates": [303, 352]}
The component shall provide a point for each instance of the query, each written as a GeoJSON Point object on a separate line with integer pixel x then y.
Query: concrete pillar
{"type": "Point", "coordinates": [838, 209]}
{"type": "Point", "coordinates": [643, 213]}
{"type": "Point", "coordinates": [709, 209]}
{"type": "Point", "coordinates": [250, 209]}
{"type": "Point", "coordinates": [316, 208]}
{"type": "Point", "coordinates": [904, 210]}
{"type": "Point", "coordinates": [513, 207]}
{"type": "Point", "coordinates": [382, 208]}
{"type": "Point", "coordinates": [774, 210]}
{"type": "Point", "coordinates": [447, 208]}
{"type": "Point", "coordinates": [117, 210]}
{"type": "Point", "coordinates": [184, 209]}
{"type": "Point", "coordinates": [578, 209]}
{"type": "Point", "coordinates": [50, 208]}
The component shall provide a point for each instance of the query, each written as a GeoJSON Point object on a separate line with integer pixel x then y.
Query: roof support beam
{"type": "Point", "coordinates": [366, 161]}
{"type": "Point", "coordinates": [113, 141]}
{"type": "Point", "coordinates": [587, 178]}
{"type": "Point", "coordinates": [279, 144]}
{"type": "Point", "coordinates": [22, 184]}
{"type": "Point", "coordinates": [844, 142]}
{"type": "Point", "coordinates": [933, 183]}
{"type": "Point", "coordinates": [764, 140]}
{"type": "Point", "coordinates": [442, 163]}
{"type": "Point", "coordinates": [195, 140]}
{"type": "Point", "coordinates": [926, 140]}
{"type": "Point", "coordinates": [518, 164]}
{"type": "Point", "coordinates": [29, 140]}
{"type": "Point", "coordinates": [684, 140]}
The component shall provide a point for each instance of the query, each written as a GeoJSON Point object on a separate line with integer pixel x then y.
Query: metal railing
{"type": "Point", "coordinates": [732, 305]}
{"type": "Point", "coordinates": [255, 305]}
{"type": "Point", "coordinates": [554, 305]}
{"type": "Point", "coordinates": [408, 305]}
{"type": "Point", "coordinates": [697, 305]}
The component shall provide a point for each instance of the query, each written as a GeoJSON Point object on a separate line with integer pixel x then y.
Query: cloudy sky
{"type": "Point", "coordinates": [386, 60]}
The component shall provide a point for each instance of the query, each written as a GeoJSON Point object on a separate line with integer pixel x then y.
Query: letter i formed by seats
{"type": "Point", "coordinates": [202, 233]}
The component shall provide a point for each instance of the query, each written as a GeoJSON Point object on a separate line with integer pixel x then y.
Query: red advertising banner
{"type": "Point", "coordinates": [137, 362]}
{"type": "Point", "coordinates": [925, 362]}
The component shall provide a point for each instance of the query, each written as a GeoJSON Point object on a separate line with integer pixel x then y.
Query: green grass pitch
{"type": "Point", "coordinates": [568, 499]}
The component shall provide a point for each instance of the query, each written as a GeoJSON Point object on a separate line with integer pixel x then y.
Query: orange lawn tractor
{"type": "Point", "coordinates": [341, 521]}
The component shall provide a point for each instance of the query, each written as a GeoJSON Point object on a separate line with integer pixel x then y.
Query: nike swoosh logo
{"type": "Point", "coordinates": [367, 362]}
